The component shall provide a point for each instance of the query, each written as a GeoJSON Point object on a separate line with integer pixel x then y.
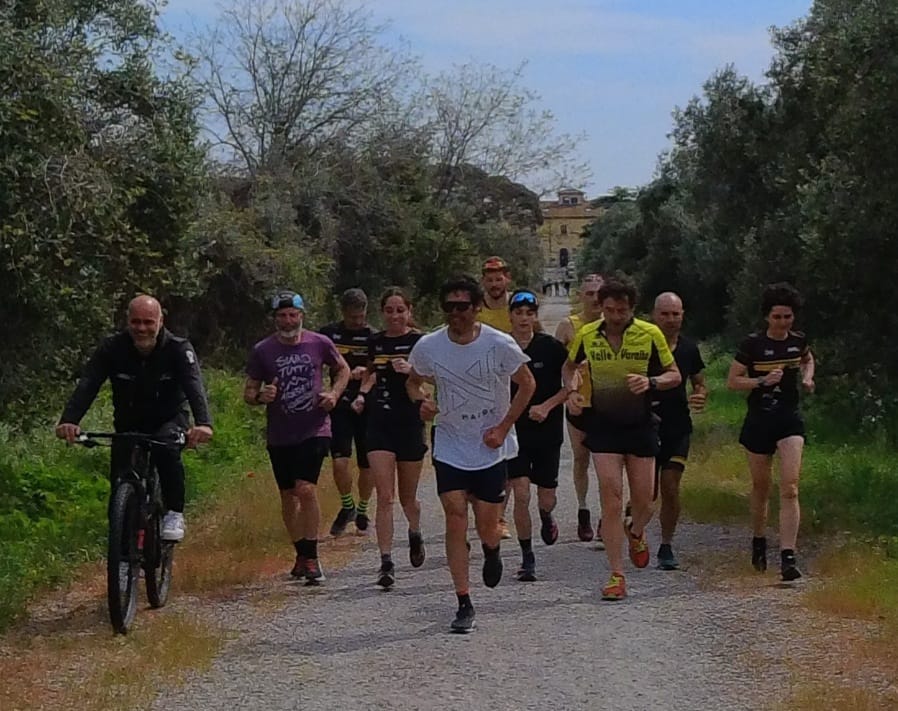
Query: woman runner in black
{"type": "Point", "coordinates": [770, 364]}
{"type": "Point", "coordinates": [540, 429]}
{"type": "Point", "coordinates": [395, 435]}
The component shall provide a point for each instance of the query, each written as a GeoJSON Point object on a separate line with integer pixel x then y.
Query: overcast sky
{"type": "Point", "coordinates": [612, 69]}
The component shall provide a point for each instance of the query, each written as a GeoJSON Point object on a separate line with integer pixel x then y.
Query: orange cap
{"type": "Point", "coordinates": [494, 264]}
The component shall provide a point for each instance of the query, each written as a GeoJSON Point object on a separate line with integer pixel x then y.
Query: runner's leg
{"type": "Point", "coordinates": [609, 468]}
{"type": "Point", "coordinates": [790, 451]}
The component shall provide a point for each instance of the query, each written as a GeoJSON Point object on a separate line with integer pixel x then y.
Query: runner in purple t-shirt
{"type": "Point", "coordinates": [284, 374]}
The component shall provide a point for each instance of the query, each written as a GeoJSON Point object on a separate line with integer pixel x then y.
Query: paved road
{"type": "Point", "coordinates": [674, 644]}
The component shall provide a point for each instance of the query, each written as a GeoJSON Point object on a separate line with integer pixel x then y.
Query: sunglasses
{"type": "Point", "coordinates": [524, 298]}
{"type": "Point", "coordinates": [287, 301]}
{"type": "Point", "coordinates": [458, 306]}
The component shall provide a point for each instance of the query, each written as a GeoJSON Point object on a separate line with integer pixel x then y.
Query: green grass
{"type": "Point", "coordinates": [848, 479]}
{"type": "Point", "coordinates": [53, 497]}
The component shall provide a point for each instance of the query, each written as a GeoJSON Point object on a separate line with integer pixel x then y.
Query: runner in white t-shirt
{"type": "Point", "coordinates": [472, 365]}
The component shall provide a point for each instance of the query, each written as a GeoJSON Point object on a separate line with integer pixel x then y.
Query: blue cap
{"type": "Point", "coordinates": [287, 300]}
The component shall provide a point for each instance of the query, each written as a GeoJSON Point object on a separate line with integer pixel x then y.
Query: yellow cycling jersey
{"type": "Point", "coordinates": [643, 350]}
{"type": "Point", "coordinates": [497, 318]}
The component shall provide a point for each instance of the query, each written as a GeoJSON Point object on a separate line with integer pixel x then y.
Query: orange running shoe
{"type": "Point", "coordinates": [639, 550]}
{"type": "Point", "coordinates": [616, 589]}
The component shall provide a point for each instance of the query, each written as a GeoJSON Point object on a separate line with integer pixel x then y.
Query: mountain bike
{"type": "Point", "coordinates": [135, 527]}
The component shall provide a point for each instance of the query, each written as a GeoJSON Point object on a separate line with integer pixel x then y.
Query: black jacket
{"type": "Point", "coordinates": [147, 391]}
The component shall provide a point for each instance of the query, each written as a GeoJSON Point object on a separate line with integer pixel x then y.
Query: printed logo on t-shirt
{"type": "Point", "coordinates": [296, 378]}
{"type": "Point", "coordinates": [470, 394]}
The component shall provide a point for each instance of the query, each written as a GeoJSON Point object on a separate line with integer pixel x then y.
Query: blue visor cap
{"type": "Point", "coordinates": [287, 300]}
{"type": "Point", "coordinates": [523, 298]}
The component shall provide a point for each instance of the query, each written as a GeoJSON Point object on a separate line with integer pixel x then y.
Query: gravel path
{"type": "Point", "coordinates": [674, 644]}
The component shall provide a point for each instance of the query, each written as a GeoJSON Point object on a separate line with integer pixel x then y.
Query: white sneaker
{"type": "Point", "coordinates": [173, 526]}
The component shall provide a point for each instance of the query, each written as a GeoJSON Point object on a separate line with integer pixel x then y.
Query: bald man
{"type": "Point", "coordinates": [673, 406]}
{"type": "Point", "coordinates": [154, 376]}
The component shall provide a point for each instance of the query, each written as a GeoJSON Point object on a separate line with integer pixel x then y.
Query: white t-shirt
{"type": "Point", "coordinates": [474, 393]}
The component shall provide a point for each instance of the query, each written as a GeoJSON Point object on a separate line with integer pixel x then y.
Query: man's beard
{"type": "Point", "coordinates": [289, 334]}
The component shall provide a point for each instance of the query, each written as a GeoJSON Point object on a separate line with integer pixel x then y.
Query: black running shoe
{"type": "Point", "coordinates": [666, 558]}
{"type": "Point", "coordinates": [386, 576]}
{"type": "Point", "coordinates": [584, 525]}
{"type": "Point", "coordinates": [314, 574]}
{"type": "Point", "coordinates": [492, 567]}
{"type": "Point", "coordinates": [759, 554]}
{"type": "Point", "coordinates": [361, 522]}
{"type": "Point", "coordinates": [788, 568]}
{"type": "Point", "coordinates": [416, 553]}
{"type": "Point", "coordinates": [527, 571]}
{"type": "Point", "coordinates": [299, 567]}
{"type": "Point", "coordinates": [548, 531]}
{"type": "Point", "coordinates": [464, 620]}
{"type": "Point", "coordinates": [344, 518]}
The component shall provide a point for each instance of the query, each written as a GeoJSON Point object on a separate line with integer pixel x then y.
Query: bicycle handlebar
{"type": "Point", "coordinates": [89, 439]}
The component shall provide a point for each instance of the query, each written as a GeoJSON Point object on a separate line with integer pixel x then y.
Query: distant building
{"type": "Point", "coordinates": [561, 233]}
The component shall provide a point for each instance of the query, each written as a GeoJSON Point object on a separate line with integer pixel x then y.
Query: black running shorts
{"type": "Point", "coordinates": [673, 450]}
{"type": "Point", "coordinates": [639, 440]}
{"type": "Point", "coordinates": [405, 441]}
{"type": "Point", "coordinates": [484, 484]}
{"type": "Point", "coordinates": [298, 462]}
{"type": "Point", "coordinates": [347, 426]}
{"type": "Point", "coordinates": [539, 462]}
{"type": "Point", "coordinates": [762, 431]}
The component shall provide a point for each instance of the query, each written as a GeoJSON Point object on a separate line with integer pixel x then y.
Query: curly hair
{"type": "Point", "coordinates": [781, 293]}
{"type": "Point", "coordinates": [619, 287]}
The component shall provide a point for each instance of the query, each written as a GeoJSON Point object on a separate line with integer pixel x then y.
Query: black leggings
{"type": "Point", "coordinates": [168, 465]}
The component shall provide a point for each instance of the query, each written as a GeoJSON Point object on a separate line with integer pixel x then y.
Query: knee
{"type": "Point", "coordinates": [384, 497]}
{"type": "Point", "coordinates": [789, 491]}
{"type": "Point", "coordinates": [305, 492]}
{"type": "Point", "coordinates": [456, 520]}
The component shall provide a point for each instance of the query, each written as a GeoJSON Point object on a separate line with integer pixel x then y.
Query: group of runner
{"type": "Point", "coordinates": [497, 390]}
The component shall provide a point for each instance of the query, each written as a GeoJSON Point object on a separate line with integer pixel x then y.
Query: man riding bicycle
{"type": "Point", "coordinates": [154, 376]}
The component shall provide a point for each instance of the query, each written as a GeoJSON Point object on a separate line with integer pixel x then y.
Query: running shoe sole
{"type": "Point", "coordinates": [386, 580]}
{"type": "Point", "coordinates": [526, 575]}
{"type": "Point", "coordinates": [790, 574]}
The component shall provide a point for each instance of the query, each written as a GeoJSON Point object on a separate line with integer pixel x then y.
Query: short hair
{"type": "Point", "coordinates": [781, 293]}
{"type": "Point", "coordinates": [619, 286]}
{"type": "Point", "coordinates": [523, 297]}
{"type": "Point", "coordinates": [463, 282]}
{"type": "Point", "coordinates": [353, 299]}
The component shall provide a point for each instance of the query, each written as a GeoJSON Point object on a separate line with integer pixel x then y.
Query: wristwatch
{"type": "Point", "coordinates": [760, 381]}
{"type": "Point", "coordinates": [653, 383]}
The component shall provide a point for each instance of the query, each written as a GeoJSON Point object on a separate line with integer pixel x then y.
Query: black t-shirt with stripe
{"type": "Point", "coordinates": [547, 356]}
{"type": "Point", "coordinates": [761, 355]}
{"type": "Point", "coordinates": [389, 398]}
{"type": "Point", "coordinates": [352, 344]}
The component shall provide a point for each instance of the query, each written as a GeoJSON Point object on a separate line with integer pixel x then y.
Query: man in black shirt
{"type": "Point", "coordinates": [672, 407]}
{"type": "Point", "coordinates": [154, 376]}
{"type": "Point", "coordinates": [540, 429]}
{"type": "Point", "coordinates": [351, 335]}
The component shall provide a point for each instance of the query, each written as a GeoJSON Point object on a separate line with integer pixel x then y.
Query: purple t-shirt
{"type": "Point", "coordinates": [294, 416]}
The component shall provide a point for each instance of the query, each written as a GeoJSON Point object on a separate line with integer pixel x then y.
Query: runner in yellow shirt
{"type": "Point", "coordinates": [629, 360]}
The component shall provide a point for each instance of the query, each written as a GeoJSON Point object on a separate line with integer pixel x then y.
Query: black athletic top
{"type": "Point", "coordinates": [547, 356]}
{"type": "Point", "coordinates": [672, 406]}
{"type": "Point", "coordinates": [762, 354]}
{"type": "Point", "coordinates": [352, 344]}
{"type": "Point", "coordinates": [389, 400]}
{"type": "Point", "coordinates": [148, 391]}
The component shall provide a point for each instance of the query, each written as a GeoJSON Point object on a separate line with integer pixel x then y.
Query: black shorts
{"type": "Point", "coordinates": [763, 430]}
{"type": "Point", "coordinates": [406, 441]}
{"type": "Point", "coordinates": [673, 451]}
{"type": "Point", "coordinates": [581, 421]}
{"type": "Point", "coordinates": [639, 440]}
{"type": "Point", "coordinates": [485, 484]}
{"type": "Point", "coordinates": [347, 426]}
{"type": "Point", "coordinates": [298, 462]}
{"type": "Point", "coordinates": [540, 463]}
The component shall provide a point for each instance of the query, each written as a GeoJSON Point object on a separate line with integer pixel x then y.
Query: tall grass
{"type": "Point", "coordinates": [53, 498]}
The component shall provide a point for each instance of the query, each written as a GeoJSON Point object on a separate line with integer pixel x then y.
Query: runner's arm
{"type": "Point", "coordinates": [737, 378]}
{"type": "Point", "coordinates": [340, 375]}
{"type": "Point", "coordinates": [526, 383]}
{"type": "Point", "coordinates": [807, 367]}
{"type": "Point", "coordinates": [564, 332]}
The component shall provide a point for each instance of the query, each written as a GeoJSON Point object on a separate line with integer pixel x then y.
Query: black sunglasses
{"type": "Point", "coordinates": [450, 306]}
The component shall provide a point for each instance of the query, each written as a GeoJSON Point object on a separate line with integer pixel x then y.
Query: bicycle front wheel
{"type": "Point", "coordinates": [123, 559]}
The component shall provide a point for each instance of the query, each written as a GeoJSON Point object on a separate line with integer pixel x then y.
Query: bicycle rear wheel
{"type": "Point", "coordinates": [123, 558]}
{"type": "Point", "coordinates": [158, 558]}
